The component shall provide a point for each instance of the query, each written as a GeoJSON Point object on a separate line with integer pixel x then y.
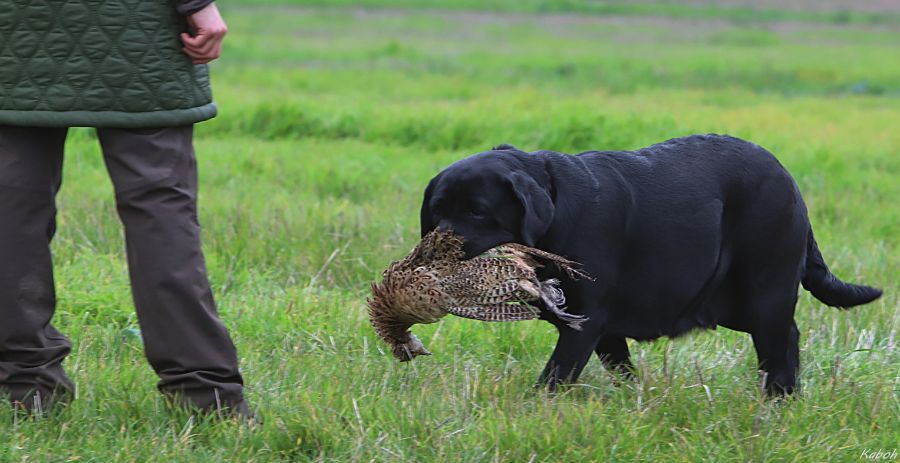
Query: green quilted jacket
{"type": "Point", "coordinates": [98, 63]}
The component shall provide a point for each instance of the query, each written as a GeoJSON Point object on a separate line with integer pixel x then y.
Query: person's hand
{"type": "Point", "coordinates": [210, 29]}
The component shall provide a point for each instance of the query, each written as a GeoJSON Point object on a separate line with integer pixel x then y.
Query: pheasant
{"type": "Point", "coordinates": [433, 281]}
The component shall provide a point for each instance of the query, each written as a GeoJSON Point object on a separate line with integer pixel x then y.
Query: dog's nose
{"type": "Point", "coordinates": [444, 225]}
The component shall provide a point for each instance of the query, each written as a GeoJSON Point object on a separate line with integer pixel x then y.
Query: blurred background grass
{"type": "Point", "coordinates": [335, 114]}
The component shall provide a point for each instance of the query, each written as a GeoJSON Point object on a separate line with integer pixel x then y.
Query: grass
{"type": "Point", "coordinates": [332, 122]}
{"type": "Point", "coordinates": [747, 13]}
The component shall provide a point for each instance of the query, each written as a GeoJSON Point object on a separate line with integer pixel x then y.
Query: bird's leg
{"type": "Point", "coordinates": [406, 351]}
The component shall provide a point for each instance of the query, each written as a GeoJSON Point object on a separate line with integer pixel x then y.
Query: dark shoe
{"type": "Point", "coordinates": [238, 411]}
{"type": "Point", "coordinates": [37, 401]}
{"type": "Point", "coordinates": [241, 413]}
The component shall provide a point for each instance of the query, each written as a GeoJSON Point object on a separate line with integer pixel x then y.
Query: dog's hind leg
{"type": "Point", "coordinates": [572, 352]}
{"type": "Point", "coordinates": [768, 306]}
{"type": "Point", "coordinates": [614, 354]}
{"type": "Point", "coordinates": [769, 302]}
{"type": "Point", "coordinates": [769, 231]}
{"type": "Point", "coordinates": [778, 351]}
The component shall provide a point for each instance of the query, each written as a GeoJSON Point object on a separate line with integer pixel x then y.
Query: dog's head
{"type": "Point", "coordinates": [489, 199]}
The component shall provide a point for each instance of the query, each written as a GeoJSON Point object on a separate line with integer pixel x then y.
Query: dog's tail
{"type": "Point", "coordinates": [828, 288]}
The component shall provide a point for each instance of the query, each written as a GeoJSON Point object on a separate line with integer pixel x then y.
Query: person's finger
{"type": "Point", "coordinates": [204, 38]}
{"type": "Point", "coordinates": [193, 55]}
{"type": "Point", "coordinates": [200, 60]}
{"type": "Point", "coordinates": [190, 41]}
{"type": "Point", "coordinates": [205, 46]}
{"type": "Point", "coordinates": [203, 57]}
{"type": "Point", "coordinates": [198, 40]}
{"type": "Point", "coordinates": [208, 46]}
{"type": "Point", "coordinates": [191, 51]}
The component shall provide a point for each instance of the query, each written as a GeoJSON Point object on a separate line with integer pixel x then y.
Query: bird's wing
{"type": "Point", "coordinates": [572, 268]}
{"type": "Point", "coordinates": [502, 312]}
{"type": "Point", "coordinates": [485, 281]}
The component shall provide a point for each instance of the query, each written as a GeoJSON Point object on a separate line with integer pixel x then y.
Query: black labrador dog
{"type": "Point", "coordinates": [700, 231]}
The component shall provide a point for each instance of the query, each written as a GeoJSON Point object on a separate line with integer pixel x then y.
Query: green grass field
{"type": "Point", "coordinates": [332, 121]}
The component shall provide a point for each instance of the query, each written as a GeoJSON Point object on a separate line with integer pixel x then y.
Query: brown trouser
{"type": "Point", "coordinates": [154, 173]}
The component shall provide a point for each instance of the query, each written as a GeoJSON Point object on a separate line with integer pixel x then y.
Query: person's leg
{"type": "Point", "coordinates": [154, 173]}
{"type": "Point", "coordinates": [31, 350]}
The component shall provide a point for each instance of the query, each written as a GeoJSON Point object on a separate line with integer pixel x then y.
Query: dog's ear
{"type": "Point", "coordinates": [537, 205]}
{"type": "Point", "coordinates": [504, 147]}
{"type": "Point", "coordinates": [425, 217]}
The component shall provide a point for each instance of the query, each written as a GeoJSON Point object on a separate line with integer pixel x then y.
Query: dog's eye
{"type": "Point", "coordinates": [477, 213]}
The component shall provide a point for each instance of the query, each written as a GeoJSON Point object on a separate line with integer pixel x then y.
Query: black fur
{"type": "Point", "coordinates": [700, 231]}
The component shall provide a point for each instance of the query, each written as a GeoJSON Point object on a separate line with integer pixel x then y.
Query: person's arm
{"type": "Point", "coordinates": [209, 30]}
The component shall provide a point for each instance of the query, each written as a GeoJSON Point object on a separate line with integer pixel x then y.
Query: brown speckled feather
{"type": "Point", "coordinates": [433, 281]}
